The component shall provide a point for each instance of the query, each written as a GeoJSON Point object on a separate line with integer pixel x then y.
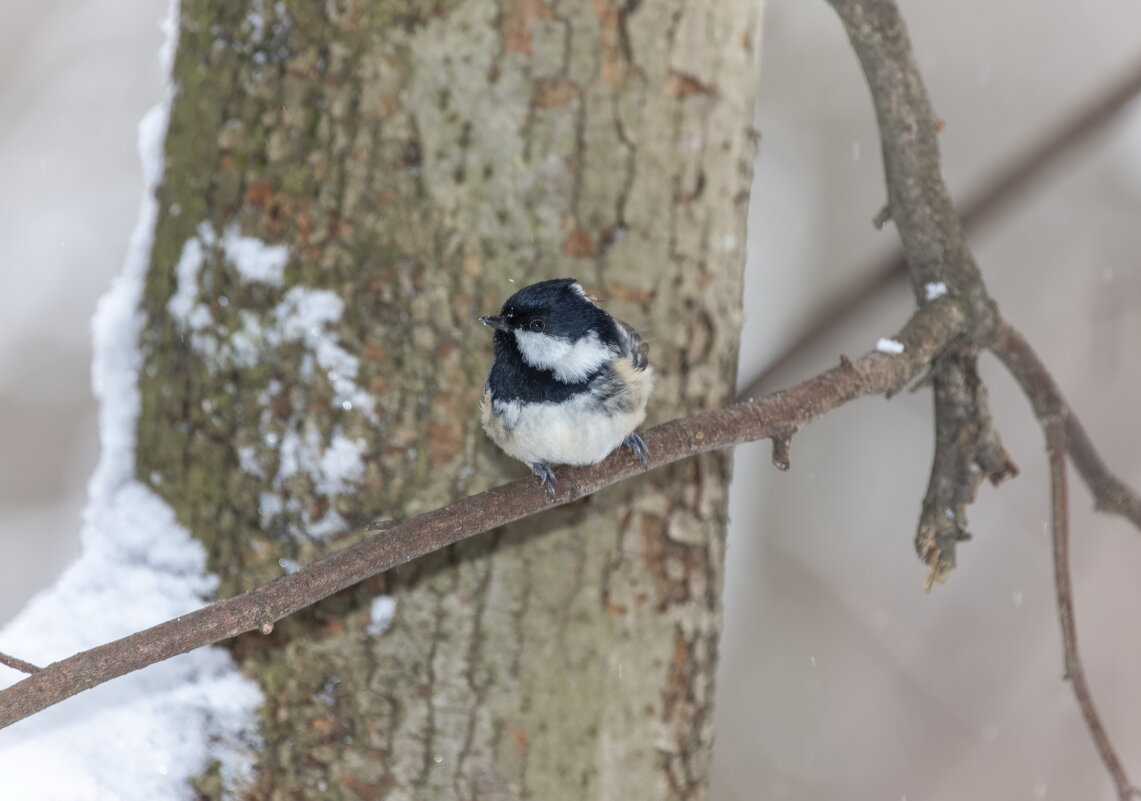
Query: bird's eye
{"type": "Point", "coordinates": [537, 325]}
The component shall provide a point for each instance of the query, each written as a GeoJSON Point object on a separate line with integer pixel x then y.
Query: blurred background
{"type": "Point", "coordinates": [840, 677]}
{"type": "Point", "coordinates": [75, 79]}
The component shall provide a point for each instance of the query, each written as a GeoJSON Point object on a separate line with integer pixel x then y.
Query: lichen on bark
{"type": "Point", "coordinates": [420, 161]}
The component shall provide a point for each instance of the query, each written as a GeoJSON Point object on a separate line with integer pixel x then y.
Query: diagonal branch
{"type": "Point", "coordinates": [1110, 493]}
{"type": "Point", "coordinates": [923, 338]}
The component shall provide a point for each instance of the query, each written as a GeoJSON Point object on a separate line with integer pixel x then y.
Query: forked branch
{"type": "Point", "coordinates": [937, 253]}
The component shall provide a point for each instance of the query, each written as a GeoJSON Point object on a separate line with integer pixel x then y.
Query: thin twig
{"type": "Point", "coordinates": [17, 664]}
{"type": "Point", "coordinates": [1110, 493]}
{"type": "Point", "coordinates": [967, 450]}
{"type": "Point", "coordinates": [1060, 535]}
{"type": "Point", "coordinates": [782, 451]}
{"type": "Point", "coordinates": [924, 337]}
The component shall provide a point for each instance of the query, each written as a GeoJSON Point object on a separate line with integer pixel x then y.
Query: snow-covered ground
{"type": "Point", "coordinates": [840, 678]}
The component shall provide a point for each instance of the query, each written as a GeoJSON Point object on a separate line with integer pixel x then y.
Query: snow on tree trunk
{"type": "Point", "coordinates": [348, 186]}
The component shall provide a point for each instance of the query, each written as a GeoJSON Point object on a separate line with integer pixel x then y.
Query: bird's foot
{"type": "Point", "coordinates": [634, 443]}
{"type": "Point", "coordinates": [546, 476]}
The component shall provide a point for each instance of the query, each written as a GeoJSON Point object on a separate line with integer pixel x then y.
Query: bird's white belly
{"type": "Point", "coordinates": [577, 432]}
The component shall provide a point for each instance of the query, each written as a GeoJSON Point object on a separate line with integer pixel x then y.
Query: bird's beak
{"type": "Point", "coordinates": [498, 323]}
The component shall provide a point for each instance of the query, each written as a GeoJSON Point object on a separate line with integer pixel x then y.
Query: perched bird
{"type": "Point", "coordinates": [569, 383]}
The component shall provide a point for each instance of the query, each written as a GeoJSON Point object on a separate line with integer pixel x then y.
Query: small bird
{"type": "Point", "coordinates": [569, 383]}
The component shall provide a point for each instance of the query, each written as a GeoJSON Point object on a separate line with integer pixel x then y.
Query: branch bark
{"type": "Point", "coordinates": [925, 335]}
{"type": "Point", "coordinates": [920, 205]}
{"type": "Point", "coordinates": [17, 664]}
{"type": "Point", "coordinates": [967, 450]}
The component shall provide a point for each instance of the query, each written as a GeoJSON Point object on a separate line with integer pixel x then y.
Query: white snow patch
{"type": "Point", "coordinates": [247, 343]}
{"type": "Point", "coordinates": [200, 318]}
{"type": "Point", "coordinates": [255, 261]}
{"type": "Point", "coordinates": [302, 316]}
{"type": "Point", "coordinates": [936, 289]}
{"type": "Point", "coordinates": [249, 462]}
{"type": "Point", "coordinates": [255, 19]}
{"type": "Point", "coordinates": [885, 345]}
{"type": "Point", "coordinates": [341, 465]}
{"type": "Point", "coordinates": [270, 505]}
{"type": "Point", "coordinates": [192, 316]}
{"type": "Point", "coordinates": [329, 524]}
{"type": "Point", "coordinates": [182, 302]}
{"type": "Point", "coordinates": [305, 315]}
{"type": "Point", "coordinates": [146, 734]}
{"type": "Point", "coordinates": [334, 468]}
{"type": "Point", "coordinates": [298, 454]}
{"type": "Point", "coordinates": [381, 612]}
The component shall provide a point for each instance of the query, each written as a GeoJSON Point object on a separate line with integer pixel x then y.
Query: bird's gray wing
{"type": "Point", "coordinates": [632, 344]}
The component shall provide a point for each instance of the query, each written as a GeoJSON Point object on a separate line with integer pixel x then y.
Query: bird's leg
{"type": "Point", "coordinates": [634, 443]}
{"type": "Point", "coordinates": [546, 475]}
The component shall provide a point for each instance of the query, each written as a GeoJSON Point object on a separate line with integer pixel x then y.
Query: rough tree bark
{"type": "Point", "coordinates": [414, 158]}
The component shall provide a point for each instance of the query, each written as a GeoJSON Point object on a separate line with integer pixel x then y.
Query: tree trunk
{"type": "Point", "coordinates": [348, 187]}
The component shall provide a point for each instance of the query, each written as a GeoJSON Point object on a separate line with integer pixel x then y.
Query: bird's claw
{"type": "Point", "coordinates": [634, 443]}
{"type": "Point", "coordinates": [546, 476]}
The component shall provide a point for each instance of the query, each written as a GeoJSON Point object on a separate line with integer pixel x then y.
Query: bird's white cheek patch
{"type": "Point", "coordinates": [571, 362]}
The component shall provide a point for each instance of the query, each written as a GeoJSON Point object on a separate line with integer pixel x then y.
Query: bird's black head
{"type": "Point", "coordinates": [550, 331]}
{"type": "Point", "coordinates": [556, 308]}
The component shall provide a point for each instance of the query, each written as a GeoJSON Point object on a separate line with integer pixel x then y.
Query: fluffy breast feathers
{"type": "Point", "coordinates": [584, 429]}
